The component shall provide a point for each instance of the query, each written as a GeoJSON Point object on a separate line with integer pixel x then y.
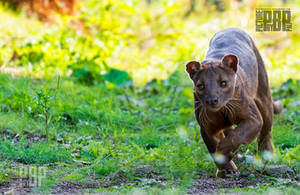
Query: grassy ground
{"type": "Point", "coordinates": [95, 129]}
{"type": "Point", "coordinates": [122, 138]}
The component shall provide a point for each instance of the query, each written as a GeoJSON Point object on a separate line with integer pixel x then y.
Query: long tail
{"type": "Point", "coordinates": [277, 106]}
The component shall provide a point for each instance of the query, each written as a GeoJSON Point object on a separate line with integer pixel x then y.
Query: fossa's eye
{"type": "Point", "coordinates": [223, 84]}
{"type": "Point", "coordinates": [200, 86]}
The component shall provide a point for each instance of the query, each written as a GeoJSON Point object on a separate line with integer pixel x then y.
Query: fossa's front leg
{"type": "Point", "coordinates": [211, 143]}
{"type": "Point", "coordinates": [245, 132]}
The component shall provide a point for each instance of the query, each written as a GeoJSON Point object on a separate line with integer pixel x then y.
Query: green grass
{"type": "Point", "coordinates": [33, 153]}
{"type": "Point", "coordinates": [109, 132]}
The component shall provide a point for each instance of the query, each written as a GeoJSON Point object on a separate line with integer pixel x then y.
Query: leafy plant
{"type": "Point", "coordinates": [45, 100]}
{"type": "Point", "coordinates": [118, 77]}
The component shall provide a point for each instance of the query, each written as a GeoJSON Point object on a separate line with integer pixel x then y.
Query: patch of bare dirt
{"type": "Point", "coordinates": [8, 134]}
{"type": "Point", "coordinates": [16, 187]}
{"type": "Point", "coordinates": [144, 175]}
{"type": "Point", "coordinates": [72, 188]}
{"type": "Point", "coordinates": [273, 175]}
{"type": "Point", "coordinates": [211, 184]}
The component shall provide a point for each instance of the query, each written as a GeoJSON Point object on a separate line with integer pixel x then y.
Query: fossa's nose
{"type": "Point", "coordinates": [213, 100]}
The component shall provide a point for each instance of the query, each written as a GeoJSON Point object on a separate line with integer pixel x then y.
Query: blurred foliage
{"type": "Point", "coordinates": [43, 9]}
{"type": "Point", "coordinates": [147, 40]}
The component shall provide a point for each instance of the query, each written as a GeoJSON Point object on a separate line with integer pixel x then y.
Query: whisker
{"type": "Point", "coordinates": [230, 109]}
{"type": "Point", "coordinates": [195, 109]}
{"type": "Point", "coordinates": [203, 117]}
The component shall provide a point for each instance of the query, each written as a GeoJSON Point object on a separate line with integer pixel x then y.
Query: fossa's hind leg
{"type": "Point", "coordinates": [264, 138]}
{"type": "Point", "coordinates": [264, 103]}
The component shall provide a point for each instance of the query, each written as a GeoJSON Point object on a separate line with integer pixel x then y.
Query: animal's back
{"type": "Point", "coordinates": [237, 42]}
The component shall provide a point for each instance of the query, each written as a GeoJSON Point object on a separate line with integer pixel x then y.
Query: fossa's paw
{"type": "Point", "coordinates": [225, 173]}
{"type": "Point", "coordinates": [266, 147]}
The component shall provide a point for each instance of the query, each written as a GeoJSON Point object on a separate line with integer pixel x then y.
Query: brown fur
{"type": "Point", "coordinates": [232, 90]}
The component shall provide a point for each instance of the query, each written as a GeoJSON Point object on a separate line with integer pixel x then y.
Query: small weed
{"type": "Point", "coordinates": [45, 100]}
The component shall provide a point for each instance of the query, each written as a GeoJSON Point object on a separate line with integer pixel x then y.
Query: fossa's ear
{"type": "Point", "coordinates": [230, 61]}
{"type": "Point", "coordinates": [192, 67]}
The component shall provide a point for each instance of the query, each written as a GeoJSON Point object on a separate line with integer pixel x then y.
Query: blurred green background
{"type": "Point", "coordinates": [146, 38]}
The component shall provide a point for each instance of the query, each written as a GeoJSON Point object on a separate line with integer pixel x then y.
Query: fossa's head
{"type": "Point", "coordinates": [214, 82]}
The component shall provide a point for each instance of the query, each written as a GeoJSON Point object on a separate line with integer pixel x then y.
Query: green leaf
{"type": "Point", "coordinates": [71, 176]}
{"type": "Point", "coordinates": [118, 77]}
